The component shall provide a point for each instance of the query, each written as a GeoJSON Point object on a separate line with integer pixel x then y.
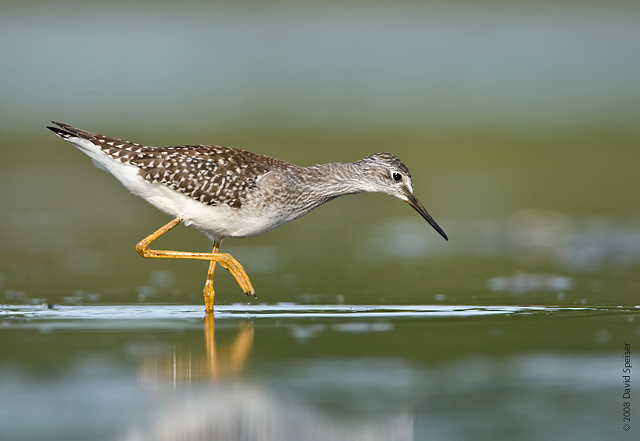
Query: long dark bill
{"type": "Point", "coordinates": [415, 203]}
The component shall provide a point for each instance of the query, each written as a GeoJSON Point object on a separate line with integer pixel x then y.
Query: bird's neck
{"type": "Point", "coordinates": [329, 181]}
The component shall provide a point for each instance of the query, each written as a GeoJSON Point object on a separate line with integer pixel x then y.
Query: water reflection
{"type": "Point", "coordinates": [228, 408]}
{"type": "Point", "coordinates": [256, 414]}
{"type": "Point", "coordinates": [217, 362]}
{"type": "Point", "coordinates": [295, 372]}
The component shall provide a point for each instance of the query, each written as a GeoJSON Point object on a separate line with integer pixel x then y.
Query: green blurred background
{"type": "Point", "coordinates": [518, 120]}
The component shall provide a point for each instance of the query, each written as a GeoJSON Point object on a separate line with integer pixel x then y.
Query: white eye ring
{"type": "Point", "coordinates": [397, 177]}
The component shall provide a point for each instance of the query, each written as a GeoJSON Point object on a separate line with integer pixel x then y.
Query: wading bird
{"type": "Point", "coordinates": [226, 192]}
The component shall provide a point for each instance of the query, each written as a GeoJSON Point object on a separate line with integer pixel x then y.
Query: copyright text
{"type": "Point", "coordinates": [626, 394]}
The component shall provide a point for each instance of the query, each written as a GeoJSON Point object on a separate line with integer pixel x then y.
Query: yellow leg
{"type": "Point", "coordinates": [224, 259]}
{"type": "Point", "coordinates": [209, 294]}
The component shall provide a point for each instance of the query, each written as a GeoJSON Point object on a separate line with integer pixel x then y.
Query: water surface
{"type": "Point", "coordinates": [305, 372]}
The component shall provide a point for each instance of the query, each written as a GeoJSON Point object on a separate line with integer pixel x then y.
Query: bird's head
{"type": "Point", "coordinates": [386, 173]}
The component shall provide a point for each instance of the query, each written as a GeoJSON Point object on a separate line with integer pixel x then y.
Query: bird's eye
{"type": "Point", "coordinates": [397, 177]}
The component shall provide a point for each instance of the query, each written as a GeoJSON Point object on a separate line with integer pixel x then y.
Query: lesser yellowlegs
{"type": "Point", "coordinates": [226, 192]}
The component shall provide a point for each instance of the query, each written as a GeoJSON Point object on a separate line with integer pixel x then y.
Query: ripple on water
{"type": "Point", "coordinates": [281, 311]}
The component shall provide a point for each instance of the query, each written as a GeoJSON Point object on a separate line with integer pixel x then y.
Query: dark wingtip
{"type": "Point", "coordinates": [58, 131]}
{"type": "Point", "coordinates": [60, 126]}
{"type": "Point", "coordinates": [66, 131]}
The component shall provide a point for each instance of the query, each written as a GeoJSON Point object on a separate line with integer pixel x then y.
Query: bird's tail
{"type": "Point", "coordinates": [65, 131]}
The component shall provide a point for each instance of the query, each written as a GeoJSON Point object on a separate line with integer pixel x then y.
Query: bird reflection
{"type": "Point", "coordinates": [229, 360]}
{"type": "Point", "coordinates": [219, 361]}
{"type": "Point", "coordinates": [192, 401]}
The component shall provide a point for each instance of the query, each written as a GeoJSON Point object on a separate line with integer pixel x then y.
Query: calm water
{"type": "Point", "coordinates": [289, 372]}
{"type": "Point", "coordinates": [519, 125]}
